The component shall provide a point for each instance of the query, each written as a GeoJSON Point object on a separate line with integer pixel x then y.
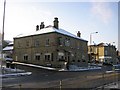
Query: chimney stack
{"type": "Point", "coordinates": [56, 23]}
{"type": "Point", "coordinates": [37, 27]}
{"type": "Point", "coordinates": [79, 34]}
{"type": "Point", "coordinates": [42, 25]}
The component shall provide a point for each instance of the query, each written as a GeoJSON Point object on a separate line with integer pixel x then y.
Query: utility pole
{"type": "Point", "coordinates": [3, 31]}
{"type": "Point", "coordinates": [3, 23]}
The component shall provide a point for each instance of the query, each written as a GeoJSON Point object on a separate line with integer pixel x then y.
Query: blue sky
{"type": "Point", "coordinates": [86, 17]}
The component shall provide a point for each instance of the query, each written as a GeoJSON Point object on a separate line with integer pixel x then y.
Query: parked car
{"type": "Point", "coordinates": [108, 64]}
{"type": "Point", "coordinates": [8, 59]}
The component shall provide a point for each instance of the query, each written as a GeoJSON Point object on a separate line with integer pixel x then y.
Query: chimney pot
{"type": "Point", "coordinates": [42, 25]}
{"type": "Point", "coordinates": [37, 27]}
{"type": "Point", "coordinates": [79, 34]}
{"type": "Point", "coordinates": [56, 23]}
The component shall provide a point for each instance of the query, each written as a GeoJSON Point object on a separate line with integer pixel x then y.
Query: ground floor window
{"type": "Point", "coordinates": [37, 57]}
{"type": "Point", "coordinates": [25, 57]}
{"type": "Point", "coordinates": [47, 56]}
{"type": "Point", "coordinates": [61, 56]}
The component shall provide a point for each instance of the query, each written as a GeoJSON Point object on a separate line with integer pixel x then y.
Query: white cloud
{"type": "Point", "coordinates": [102, 11]}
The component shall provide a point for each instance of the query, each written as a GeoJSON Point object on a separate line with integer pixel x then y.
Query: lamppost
{"type": "Point", "coordinates": [91, 43]}
{"type": "Point", "coordinates": [91, 37]}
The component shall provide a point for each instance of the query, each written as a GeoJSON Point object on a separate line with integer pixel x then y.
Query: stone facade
{"type": "Point", "coordinates": [51, 49]}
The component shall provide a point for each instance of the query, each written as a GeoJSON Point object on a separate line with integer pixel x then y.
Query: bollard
{"type": "Point", "coordinates": [60, 84]}
{"type": "Point", "coordinates": [20, 85]}
{"type": "Point", "coordinates": [8, 64]}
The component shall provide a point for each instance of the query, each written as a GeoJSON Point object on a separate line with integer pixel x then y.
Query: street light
{"type": "Point", "coordinates": [91, 37]}
{"type": "Point", "coordinates": [91, 42]}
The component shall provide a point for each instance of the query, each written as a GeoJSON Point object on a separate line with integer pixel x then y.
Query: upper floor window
{"type": "Point", "coordinates": [47, 42]}
{"type": "Point", "coordinates": [37, 43]}
{"type": "Point", "coordinates": [19, 45]}
{"type": "Point", "coordinates": [60, 41]}
{"type": "Point", "coordinates": [67, 42]}
{"type": "Point", "coordinates": [91, 49]}
{"type": "Point", "coordinates": [95, 50]}
{"type": "Point", "coordinates": [106, 53]}
{"type": "Point", "coordinates": [27, 43]}
{"type": "Point", "coordinates": [78, 45]}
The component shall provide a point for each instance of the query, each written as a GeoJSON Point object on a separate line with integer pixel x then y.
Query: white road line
{"type": "Point", "coordinates": [16, 74]}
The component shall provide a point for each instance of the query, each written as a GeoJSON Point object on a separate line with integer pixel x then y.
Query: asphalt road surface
{"type": "Point", "coordinates": [41, 78]}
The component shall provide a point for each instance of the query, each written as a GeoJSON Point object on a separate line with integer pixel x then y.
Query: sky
{"type": "Point", "coordinates": [86, 16]}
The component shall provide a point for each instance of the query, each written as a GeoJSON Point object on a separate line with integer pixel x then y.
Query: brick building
{"type": "Point", "coordinates": [51, 46]}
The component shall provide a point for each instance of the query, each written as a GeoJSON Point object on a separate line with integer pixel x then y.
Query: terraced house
{"type": "Point", "coordinates": [51, 46]}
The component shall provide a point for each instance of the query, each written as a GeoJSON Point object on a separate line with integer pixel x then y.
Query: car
{"type": "Point", "coordinates": [107, 64]}
{"type": "Point", "coordinates": [8, 59]}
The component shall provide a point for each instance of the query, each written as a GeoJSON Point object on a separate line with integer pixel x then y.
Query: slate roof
{"type": "Point", "coordinates": [50, 29]}
{"type": "Point", "coordinates": [9, 47]}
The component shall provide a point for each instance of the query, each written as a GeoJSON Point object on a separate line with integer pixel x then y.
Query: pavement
{"type": "Point", "coordinates": [9, 72]}
{"type": "Point", "coordinates": [72, 67]}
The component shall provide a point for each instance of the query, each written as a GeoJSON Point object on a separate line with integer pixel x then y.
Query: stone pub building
{"type": "Point", "coordinates": [51, 46]}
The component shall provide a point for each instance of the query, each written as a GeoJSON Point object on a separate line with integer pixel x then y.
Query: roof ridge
{"type": "Point", "coordinates": [50, 29]}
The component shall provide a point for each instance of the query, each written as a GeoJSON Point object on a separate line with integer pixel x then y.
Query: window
{"type": "Point", "coordinates": [73, 60]}
{"type": "Point", "coordinates": [26, 57]}
{"type": "Point", "coordinates": [47, 42]}
{"type": "Point", "coordinates": [37, 43]}
{"type": "Point", "coordinates": [52, 57]}
{"type": "Point", "coordinates": [95, 50]}
{"type": "Point", "coordinates": [78, 45]}
{"type": "Point", "coordinates": [91, 50]}
{"type": "Point", "coordinates": [37, 57]}
{"type": "Point", "coordinates": [83, 60]}
{"type": "Point", "coordinates": [83, 56]}
{"type": "Point", "coordinates": [47, 57]}
{"type": "Point", "coordinates": [19, 45]}
{"type": "Point", "coordinates": [78, 60]}
{"type": "Point", "coordinates": [67, 42]}
{"type": "Point", "coordinates": [27, 43]}
{"type": "Point", "coordinates": [61, 56]}
{"type": "Point", "coordinates": [60, 41]}
{"type": "Point", "coordinates": [106, 53]}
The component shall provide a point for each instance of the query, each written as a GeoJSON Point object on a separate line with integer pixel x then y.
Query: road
{"type": "Point", "coordinates": [41, 78]}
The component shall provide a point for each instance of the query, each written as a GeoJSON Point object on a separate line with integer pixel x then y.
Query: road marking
{"type": "Point", "coordinates": [5, 79]}
{"type": "Point", "coordinates": [109, 71]}
{"type": "Point", "coordinates": [16, 74]}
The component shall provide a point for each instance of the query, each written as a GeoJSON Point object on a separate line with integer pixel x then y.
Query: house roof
{"type": "Point", "coordinates": [105, 44]}
{"type": "Point", "coordinates": [8, 48]}
{"type": "Point", "coordinates": [50, 29]}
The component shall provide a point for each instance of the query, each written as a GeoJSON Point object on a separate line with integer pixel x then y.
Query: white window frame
{"type": "Point", "coordinates": [48, 58]}
{"type": "Point", "coordinates": [25, 57]}
{"type": "Point", "coordinates": [37, 54]}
